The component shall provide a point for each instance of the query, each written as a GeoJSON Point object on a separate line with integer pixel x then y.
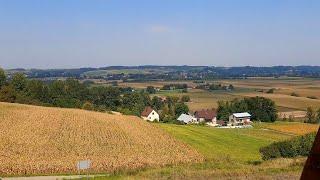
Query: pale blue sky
{"type": "Point", "coordinates": [95, 33]}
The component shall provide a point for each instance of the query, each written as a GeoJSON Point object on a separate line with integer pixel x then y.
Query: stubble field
{"type": "Point", "coordinates": [41, 140]}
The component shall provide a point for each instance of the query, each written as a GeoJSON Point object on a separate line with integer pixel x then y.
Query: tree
{"type": "Point", "coordinates": [3, 78]}
{"type": "Point", "coordinates": [106, 96]}
{"type": "Point", "coordinates": [37, 90]}
{"type": "Point", "coordinates": [8, 94]}
{"type": "Point", "coordinates": [19, 81]}
{"type": "Point", "coordinates": [88, 106]}
{"type": "Point", "coordinates": [185, 98]}
{"type": "Point", "coordinates": [310, 115]}
{"type": "Point", "coordinates": [156, 103]}
{"type": "Point", "coordinates": [151, 90]}
{"type": "Point", "coordinates": [181, 108]}
{"type": "Point", "coordinates": [318, 116]}
{"type": "Point", "coordinates": [224, 110]}
{"type": "Point", "coordinates": [262, 109]}
{"type": "Point", "coordinates": [231, 87]}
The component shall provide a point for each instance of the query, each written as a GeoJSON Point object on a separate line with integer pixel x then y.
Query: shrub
{"type": "Point", "coordinates": [270, 91]}
{"type": "Point", "coordinates": [294, 94]}
{"type": "Point", "coordinates": [298, 146]}
{"type": "Point", "coordinates": [312, 97]}
{"type": "Point", "coordinates": [88, 106]}
{"type": "Point", "coordinates": [185, 98]}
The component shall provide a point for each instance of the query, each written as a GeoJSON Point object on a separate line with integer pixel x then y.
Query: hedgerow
{"type": "Point", "coordinates": [298, 146]}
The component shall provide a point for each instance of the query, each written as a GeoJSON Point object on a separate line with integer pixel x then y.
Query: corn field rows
{"type": "Point", "coordinates": [40, 140]}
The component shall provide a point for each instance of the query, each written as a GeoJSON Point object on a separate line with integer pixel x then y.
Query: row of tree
{"type": "Point", "coordinates": [260, 108]}
{"type": "Point", "coordinates": [213, 87]}
{"type": "Point", "coordinates": [74, 94]}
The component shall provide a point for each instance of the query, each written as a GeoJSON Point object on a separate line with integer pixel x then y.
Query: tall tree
{"type": "Point", "coordinates": [181, 108]}
{"type": "Point", "coordinates": [151, 90]}
{"type": "Point", "coordinates": [310, 115]}
{"type": "Point", "coordinates": [19, 81]}
{"type": "Point", "coordinates": [8, 94]}
{"type": "Point", "coordinates": [318, 116]}
{"type": "Point", "coordinates": [3, 78]}
{"type": "Point", "coordinates": [156, 103]}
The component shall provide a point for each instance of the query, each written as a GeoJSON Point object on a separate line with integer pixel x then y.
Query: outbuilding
{"type": "Point", "coordinates": [186, 118]}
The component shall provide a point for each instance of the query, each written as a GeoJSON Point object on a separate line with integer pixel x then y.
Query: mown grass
{"type": "Point", "coordinates": [239, 144]}
{"type": "Point", "coordinates": [229, 153]}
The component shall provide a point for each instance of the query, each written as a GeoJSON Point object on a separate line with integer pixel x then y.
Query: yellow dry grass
{"type": "Point", "coordinates": [288, 101]}
{"type": "Point", "coordinates": [295, 128]}
{"type": "Point", "coordinates": [42, 140]}
{"type": "Point", "coordinates": [158, 84]}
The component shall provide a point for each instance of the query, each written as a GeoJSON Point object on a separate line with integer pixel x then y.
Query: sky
{"type": "Point", "coordinates": [98, 33]}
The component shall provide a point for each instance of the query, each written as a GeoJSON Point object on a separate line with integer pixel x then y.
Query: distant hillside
{"type": "Point", "coordinates": [42, 140]}
{"type": "Point", "coordinates": [141, 73]}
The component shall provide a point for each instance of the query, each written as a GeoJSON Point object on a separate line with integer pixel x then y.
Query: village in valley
{"type": "Point", "coordinates": [206, 116]}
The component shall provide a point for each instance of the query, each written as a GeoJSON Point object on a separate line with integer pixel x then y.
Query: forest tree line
{"type": "Point", "coordinates": [260, 108]}
{"type": "Point", "coordinates": [71, 93]}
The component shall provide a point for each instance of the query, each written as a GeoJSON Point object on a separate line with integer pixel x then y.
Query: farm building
{"type": "Point", "coordinates": [239, 119]}
{"type": "Point", "coordinates": [150, 114]}
{"type": "Point", "coordinates": [186, 118]}
{"type": "Point", "coordinates": [206, 115]}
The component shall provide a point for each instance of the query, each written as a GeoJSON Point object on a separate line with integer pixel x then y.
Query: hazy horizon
{"type": "Point", "coordinates": [77, 33]}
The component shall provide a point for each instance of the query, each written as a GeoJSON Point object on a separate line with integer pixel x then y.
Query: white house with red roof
{"type": "Point", "coordinates": [150, 114]}
{"type": "Point", "coordinates": [207, 115]}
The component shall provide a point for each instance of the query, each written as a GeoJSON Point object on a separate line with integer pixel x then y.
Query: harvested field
{"type": "Point", "coordinates": [292, 114]}
{"type": "Point", "coordinates": [42, 140]}
{"type": "Point", "coordinates": [300, 103]}
{"type": "Point", "coordinates": [294, 128]}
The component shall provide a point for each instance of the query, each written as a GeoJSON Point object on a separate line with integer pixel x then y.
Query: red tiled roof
{"type": "Point", "coordinates": [146, 111]}
{"type": "Point", "coordinates": [206, 114]}
{"type": "Point", "coordinates": [221, 122]}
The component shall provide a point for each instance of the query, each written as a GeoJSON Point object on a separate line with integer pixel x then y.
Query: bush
{"type": "Point", "coordinates": [312, 97]}
{"type": "Point", "coordinates": [298, 146]}
{"type": "Point", "coordinates": [185, 98]}
{"type": "Point", "coordinates": [294, 94]}
{"type": "Point", "coordinates": [270, 91]}
{"type": "Point", "coordinates": [88, 106]}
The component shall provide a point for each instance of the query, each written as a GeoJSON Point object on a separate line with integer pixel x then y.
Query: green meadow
{"type": "Point", "coordinates": [228, 153]}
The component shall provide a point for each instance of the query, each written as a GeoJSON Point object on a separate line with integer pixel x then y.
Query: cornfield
{"type": "Point", "coordinates": [295, 128]}
{"type": "Point", "coordinates": [42, 140]}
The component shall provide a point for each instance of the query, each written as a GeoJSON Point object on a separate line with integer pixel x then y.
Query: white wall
{"type": "Point", "coordinates": [152, 116]}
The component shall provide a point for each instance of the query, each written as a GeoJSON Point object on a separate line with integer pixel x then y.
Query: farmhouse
{"type": "Point", "coordinates": [206, 115]}
{"type": "Point", "coordinates": [186, 118]}
{"type": "Point", "coordinates": [237, 119]}
{"type": "Point", "coordinates": [149, 114]}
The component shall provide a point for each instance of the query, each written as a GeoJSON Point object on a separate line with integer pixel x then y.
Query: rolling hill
{"type": "Point", "coordinates": [44, 140]}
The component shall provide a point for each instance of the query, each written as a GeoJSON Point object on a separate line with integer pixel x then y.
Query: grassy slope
{"type": "Point", "coordinates": [229, 153]}
{"type": "Point", "coordinates": [43, 140]}
{"type": "Point", "coordinates": [238, 144]}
